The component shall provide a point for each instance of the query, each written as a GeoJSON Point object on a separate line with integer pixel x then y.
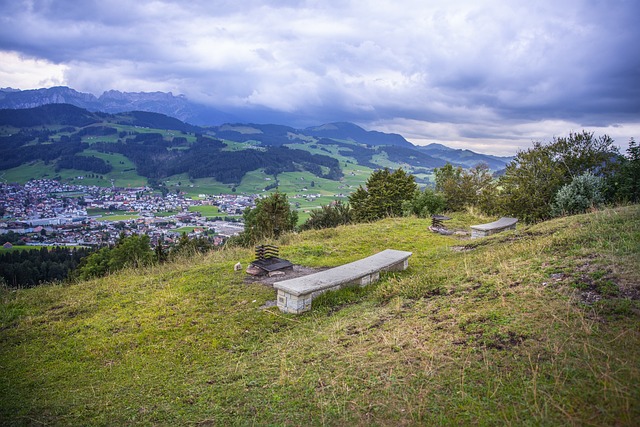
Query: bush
{"type": "Point", "coordinates": [424, 203]}
{"type": "Point", "coordinates": [131, 251]}
{"type": "Point", "coordinates": [583, 193]}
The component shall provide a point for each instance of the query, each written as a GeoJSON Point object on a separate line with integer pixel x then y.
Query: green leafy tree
{"type": "Point", "coordinates": [131, 251]}
{"type": "Point", "coordinates": [384, 195]}
{"type": "Point", "coordinates": [328, 216]}
{"type": "Point", "coordinates": [187, 246]}
{"type": "Point", "coordinates": [486, 189]}
{"type": "Point", "coordinates": [271, 217]}
{"type": "Point", "coordinates": [583, 152]}
{"type": "Point", "coordinates": [462, 188]}
{"type": "Point", "coordinates": [425, 203]}
{"type": "Point", "coordinates": [531, 181]}
{"type": "Point", "coordinates": [95, 265]}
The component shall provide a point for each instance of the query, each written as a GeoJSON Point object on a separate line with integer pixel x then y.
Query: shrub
{"type": "Point", "coordinates": [328, 216]}
{"type": "Point", "coordinates": [424, 203]}
{"type": "Point", "coordinates": [131, 251]}
{"type": "Point", "coordinates": [584, 192]}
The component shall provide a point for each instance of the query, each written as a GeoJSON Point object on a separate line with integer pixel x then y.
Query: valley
{"type": "Point", "coordinates": [150, 152]}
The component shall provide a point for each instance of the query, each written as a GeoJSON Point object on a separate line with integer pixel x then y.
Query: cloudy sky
{"type": "Point", "coordinates": [492, 75]}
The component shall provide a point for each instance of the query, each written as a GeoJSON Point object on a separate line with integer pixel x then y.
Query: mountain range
{"type": "Point", "coordinates": [114, 101]}
{"type": "Point", "coordinates": [79, 118]}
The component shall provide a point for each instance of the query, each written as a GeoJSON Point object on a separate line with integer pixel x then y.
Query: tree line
{"type": "Point", "coordinates": [135, 251]}
{"type": "Point", "coordinates": [28, 268]}
{"type": "Point", "coordinates": [85, 163]}
{"type": "Point", "coordinates": [566, 176]}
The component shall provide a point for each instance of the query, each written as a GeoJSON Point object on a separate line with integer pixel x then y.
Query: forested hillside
{"type": "Point", "coordinates": [65, 140]}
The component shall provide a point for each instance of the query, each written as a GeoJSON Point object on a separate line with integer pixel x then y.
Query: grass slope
{"type": "Point", "coordinates": [534, 327]}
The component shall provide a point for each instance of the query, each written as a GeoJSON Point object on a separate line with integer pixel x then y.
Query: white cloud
{"type": "Point", "coordinates": [502, 139]}
{"type": "Point", "coordinates": [19, 72]}
{"type": "Point", "coordinates": [457, 69]}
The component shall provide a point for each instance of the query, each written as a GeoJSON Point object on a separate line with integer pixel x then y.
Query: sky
{"type": "Point", "coordinates": [491, 76]}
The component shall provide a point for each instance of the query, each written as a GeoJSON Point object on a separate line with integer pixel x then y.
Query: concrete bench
{"type": "Point", "coordinates": [502, 224]}
{"type": "Point", "coordinates": [295, 295]}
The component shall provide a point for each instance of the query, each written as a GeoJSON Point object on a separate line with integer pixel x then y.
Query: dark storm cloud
{"type": "Point", "coordinates": [454, 70]}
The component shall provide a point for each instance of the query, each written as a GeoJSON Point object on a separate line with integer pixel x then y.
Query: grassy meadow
{"type": "Point", "coordinates": [538, 326]}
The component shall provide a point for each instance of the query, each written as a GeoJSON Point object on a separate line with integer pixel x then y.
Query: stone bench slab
{"type": "Point", "coordinates": [295, 295]}
{"type": "Point", "coordinates": [502, 224]}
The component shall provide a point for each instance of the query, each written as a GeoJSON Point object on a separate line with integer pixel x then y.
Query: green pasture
{"type": "Point", "coordinates": [205, 210]}
{"type": "Point", "coordinates": [33, 170]}
{"type": "Point", "coordinates": [187, 229]}
{"type": "Point", "coordinates": [118, 217]}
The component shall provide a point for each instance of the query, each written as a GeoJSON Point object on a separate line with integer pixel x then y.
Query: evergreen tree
{"type": "Point", "coordinates": [271, 217]}
{"type": "Point", "coordinates": [384, 195]}
{"type": "Point", "coordinates": [628, 178]}
{"type": "Point", "coordinates": [328, 216]}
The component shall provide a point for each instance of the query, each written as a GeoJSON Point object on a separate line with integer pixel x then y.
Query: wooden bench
{"type": "Point", "coordinates": [295, 295]}
{"type": "Point", "coordinates": [494, 227]}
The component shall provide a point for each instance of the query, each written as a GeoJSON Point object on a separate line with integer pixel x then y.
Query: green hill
{"type": "Point", "coordinates": [539, 326]}
{"type": "Point", "coordinates": [135, 148]}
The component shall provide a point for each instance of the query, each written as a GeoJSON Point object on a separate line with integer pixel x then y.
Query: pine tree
{"type": "Point", "coordinates": [271, 217]}
{"type": "Point", "coordinates": [384, 195]}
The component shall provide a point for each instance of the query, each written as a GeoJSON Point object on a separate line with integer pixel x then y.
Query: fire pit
{"type": "Point", "coordinates": [267, 261]}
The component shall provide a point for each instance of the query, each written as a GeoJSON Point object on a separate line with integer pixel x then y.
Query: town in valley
{"type": "Point", "coordinates": [47, 212]}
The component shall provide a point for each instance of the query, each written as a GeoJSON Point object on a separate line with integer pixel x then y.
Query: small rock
{"type": "Point", "coordinates": [268, 304]}
{"type": "Point", "coordinates": [276, 273]}
{"type": "Point", "coordinates": [254, 271]}
{"type": "Point", "coordinates": [237, 267]}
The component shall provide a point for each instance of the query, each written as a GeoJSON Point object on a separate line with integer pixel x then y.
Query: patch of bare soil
{"type": "Point", "coordinates": [462, 248]}
{"type": "Point", "coordinates": [298, 271]}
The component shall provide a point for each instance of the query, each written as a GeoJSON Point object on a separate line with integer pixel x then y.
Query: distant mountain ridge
{"type": "Point", "coordinates": [222, 124]}
{"type": "Point", "coordinates": [70, 115]}
{"type": "Point", "coordinates": [114, 101]}
{"type": "Point", "coordinates": [466, 158]}
{"type": "Point", "coordinates": [344, 130]}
